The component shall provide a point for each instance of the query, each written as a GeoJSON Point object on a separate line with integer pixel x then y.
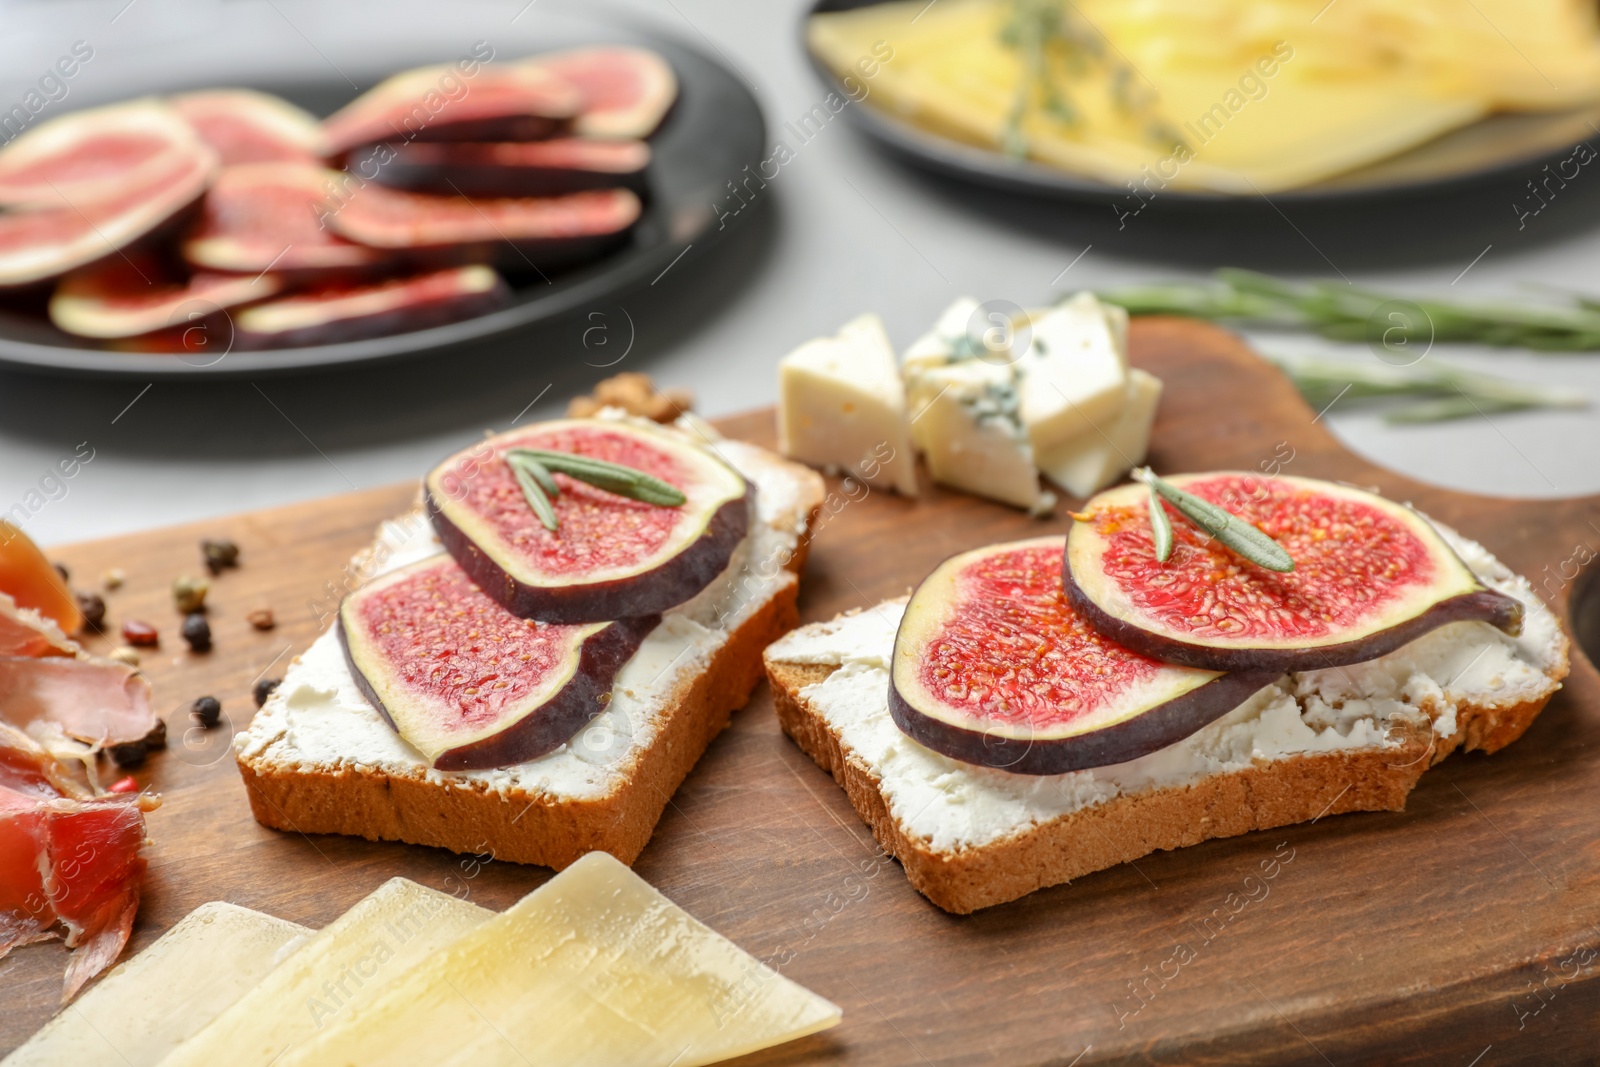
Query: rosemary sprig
{"type": "Point", "coordinates": [1043, 31]}
{"type": "Point", "coordinates": [1448, 391]}
{"type": "Point", "coordinates": [1233, 532]}
{"type": "Point", "coordinates": [1160, 526]}
{"type": "Point", "coordinates": [1345, 312]}
{"type": "Point", "coordinates": [533, 467]}
{"type": "Point", "coordinates": [534, 492]}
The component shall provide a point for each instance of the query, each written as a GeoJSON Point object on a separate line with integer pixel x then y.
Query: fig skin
{"type": "Point", "coordinates": [555, 722]}
{"type": "Point", "coordinates": [1163, 725]}
{"type": "Point", "coordinates": [1201, 696]}
{"type": "Point", "coordinates": [1474, 603]}
{"type": "Point", "coordinates": [665, 581]}
{"type": "Point", "coordinates": [1485, 605]}
{"type": "Point", "coordinates": [540, 168]}
{"type": "Point", "coordinates": [467, 294]}
{"type": "Point", "coordinates": [650, 592]}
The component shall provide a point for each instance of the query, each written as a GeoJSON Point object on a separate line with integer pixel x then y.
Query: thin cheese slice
{"type": "Point", "coordinates": [344, 966]}
{"type": "Point", "coordinates": [593, 969]}
{"type": "Point", "coordinates": [141, 1011]}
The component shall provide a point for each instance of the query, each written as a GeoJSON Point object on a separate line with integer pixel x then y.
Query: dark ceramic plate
{"type": "Point", "coordinates": [713, 130]}
{"type": "Point", "coordinates": [1486, 152]}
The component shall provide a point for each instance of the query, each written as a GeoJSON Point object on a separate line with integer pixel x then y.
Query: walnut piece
{"type": "Point", "coordinates": [636, 394]}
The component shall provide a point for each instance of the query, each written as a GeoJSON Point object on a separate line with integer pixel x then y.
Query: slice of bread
{"type": "Point", "coordinates": [317, 758]}
{"type": "Point", "coordinates": [1317, 743]}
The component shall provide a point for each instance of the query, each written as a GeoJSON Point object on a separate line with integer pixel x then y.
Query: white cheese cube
{"type": "Point", "coordinates": [1074, 378]}
{"type": "Point", "coordinates": [973, 440]}
{"type": "Point", "coordinates": [1097, 459]}
{"type": "Point", "coordinates": [841, 404]}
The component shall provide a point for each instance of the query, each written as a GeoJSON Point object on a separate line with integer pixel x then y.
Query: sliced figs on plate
{"type": "Point", "coordinates": [1369, 576]}
{"type": "Point", "coordinates": [518, 168]}
{"type": "Point", "coordinates": [99, 154]}
{"type": "Point", "coordinates": [467, 684]}
{"type": "Point", "coordinates": [350, 312]}
{"type": "Point", "coordinates": [626, 91]}
{"type": "Point", "coordinates": [246, 126]}
{"type": "Point", "coordinates": [517, 232]}
{"type": "Point", "coordinates": [39, 244]}
{"type": "Point", "coordinates": [610, 556]}
{"type": "Point", "coordinates": [441, 103]}
{"type": "Point", "coordinates": [993, 666]}
{"type": "Point", "coordinates": [127, 297]}
{"type": "Point", "coordinates": [269, 216]}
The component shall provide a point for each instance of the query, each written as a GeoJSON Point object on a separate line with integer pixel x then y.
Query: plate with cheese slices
{"type": "Point", "coordinates": [1217, 102]}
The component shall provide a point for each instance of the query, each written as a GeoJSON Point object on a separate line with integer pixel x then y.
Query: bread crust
{"type": "Point", "coordinates": [1270, 793]}
{"type": "Point", "coordinates": [517, 825]}
{"type": "Point", "coordinates": [521, 826]}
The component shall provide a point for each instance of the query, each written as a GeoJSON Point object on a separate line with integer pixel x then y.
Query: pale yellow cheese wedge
{"type": "Point", "coordinates": [343, 966]}
{"type": "Point", "coordinates": [1104, 453]}
{"type": "Point", "coordinates": [593, 969]}
{"type": "Point", "coordinates": [145, 1008]}
{"type": "Point", "coordinates": [841, 404]}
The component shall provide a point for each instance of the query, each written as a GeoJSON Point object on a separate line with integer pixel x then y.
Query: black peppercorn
{"type": "Point", "coordinates": [197, 632]}
{"type": "Point", "coordinates": [93, 608]}
{"type": "Point", "coordinates": [263, 689]}
{"type": "Point", "coordinates": [129, 753]}
{"type": "Point", "coordinates": [208, 710]}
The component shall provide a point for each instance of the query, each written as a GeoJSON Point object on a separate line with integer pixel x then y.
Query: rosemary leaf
{"type": "Point", "coordinates": [1454, 391]}
{"type": "Point", "coordinates": [1345, 312]}
{"type": "Point", "coordinates": [1160, 527]}
{"type": "Point", "coordinates": [1233, 532]}
{"type": "Point", "coordinates": [534, 494]}
{"type": "Point", "coordinates": [612, 477]}
{"type": "Point", "coordinates": [541, 474]}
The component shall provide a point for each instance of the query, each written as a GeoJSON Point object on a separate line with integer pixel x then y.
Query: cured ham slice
{"type": "Point", "coordinates": [50, 686]}
{"type": "Point", "coordinates": [93, 700]}
{"type": "Point", "coordinates": [70, 863]}
{"type": "Point", "coordinates": [24, 632]}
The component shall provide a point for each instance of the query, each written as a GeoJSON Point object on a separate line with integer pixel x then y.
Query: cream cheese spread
{"type": "Point", "coordinates": [954, 805]}
{"type": "Point", "coordinates": [318, 718]}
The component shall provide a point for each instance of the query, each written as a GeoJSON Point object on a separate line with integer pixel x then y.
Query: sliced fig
{"type": "Point", "coordinates": [245, 126]}
{"type": "Point", "coordinates": [515, 231]}
{"type": "Point", "coordinates": [609, 557]}
{"type": "Point", "coordinates": [46, 242]}
{"type": "Point", "coordinates": [439, 103]}
{"type": "Point", "coordinates": [466, 683]}
{"type": "Point", "coordinates": [1369, 576]}
{"type": "Point", "coordinates": [94, 155]}
{"type": "Point", "coordinates": [993, 666]}
{"type": "Point", "coordinates": [518, 168]}
{"type": "Point", "coordinates": [350, 312]}
{"type": "Point", "coordinates": [626, 91]}
{"type": "Point", "coordinates": [269, 216]}
{"type": "Point", "coordinates": [127, 297]}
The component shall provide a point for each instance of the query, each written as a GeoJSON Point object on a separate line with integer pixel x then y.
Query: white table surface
{"type": "Point", "coordinates": [842, 229]}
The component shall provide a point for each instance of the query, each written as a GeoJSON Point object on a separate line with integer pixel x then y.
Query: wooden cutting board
{"type": "Point", "coordinates": [1463, 931]}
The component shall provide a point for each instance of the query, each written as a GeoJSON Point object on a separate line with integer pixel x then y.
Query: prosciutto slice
{"type": "Point", "coordinates": [70, 863]}
{"type": "Point", "coordinates": [49, 686]}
